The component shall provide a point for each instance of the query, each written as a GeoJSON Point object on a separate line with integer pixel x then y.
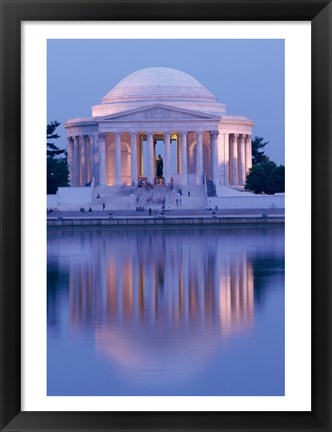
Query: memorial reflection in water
{"type": "Point", "coordinates": [158, 307]}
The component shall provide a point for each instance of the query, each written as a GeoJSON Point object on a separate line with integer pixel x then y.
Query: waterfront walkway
{"type": "Point", "coordinates": [174, 212]}
{"type": "Point", "coordinates": [172, 217]}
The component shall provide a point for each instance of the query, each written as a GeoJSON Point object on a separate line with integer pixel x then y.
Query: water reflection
{"type": "Point", "coordinates": [170, 288]}
{"type": "Point", "coordinates": [161, 303]}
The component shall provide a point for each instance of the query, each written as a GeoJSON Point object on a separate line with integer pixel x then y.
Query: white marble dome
{"type": "Point", "coordinates": [158, 85]}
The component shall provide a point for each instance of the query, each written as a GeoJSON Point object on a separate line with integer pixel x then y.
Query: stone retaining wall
{"type": "Point", "coordinates": [148, 221]}
{"type": "Point", "coordinates": [248, 202]}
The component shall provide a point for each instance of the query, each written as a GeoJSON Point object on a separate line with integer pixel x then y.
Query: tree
{"type": "Point", "coordinates": [255, 180]}
{"type": "Point", "coordinates": [266, 178]}
{"type": "Point", "coordinates": [258, 155]}
{"type": "Point", "coordinates": [52, 149]}
{"type": "Point", "coordinates": [276, 180]}
{"type": "Point", "coordinates": [57, 162]}
{"type": "Point", "coordinates": [57, 174]}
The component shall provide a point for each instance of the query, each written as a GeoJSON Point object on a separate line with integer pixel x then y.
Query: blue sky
{"type": "Point", "coordinates": [245, 74]}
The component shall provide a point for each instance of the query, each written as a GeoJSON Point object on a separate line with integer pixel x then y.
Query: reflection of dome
{"type": "Point", "coordinates": [154, 85]}
{"type": "Point", "coordinates": [171, 355]}
{"type": "Point", "coordinates": [158, 84]}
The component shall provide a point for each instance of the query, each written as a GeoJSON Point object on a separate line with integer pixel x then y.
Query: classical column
{"type": "Point", "coordinates": [83, 160]}
{"type": "Point", "coordinates": [214, 156]}
{"type": "Point", "coordinates": [150, 173]}
{"type": "Point", "coordinates": [102, 159]}
{"type": "Point", "coordinates": [250, 152]}
{"type": "Point", "coordinates": [248, 147]}
{"type": "Point", "coordinates": [221, 158]}
{"type": "Point", "coordinates": [96, 157]}
{"type": "Point", "coordinates": [92, 157]}
{"type": "Point", "coordinates": [226, 160]}
{"type": "Point", "coordinates": [71, 160]}
{"type": "Point", "coordinates": [184, 173]}
{"type": "Point", "coordinates": [117, 158]}
{"type": "Point", "coordinates": [140, 155]}
{"type": "Point", "coordinates": [133, 151]}
{"type": "Point", "coordinates": [178, 152]}
{"type": "Point", "coordinates": [88, 170]}
{"type": "Point", "coordinates": [241, 165]}
{"type": "Point", "coordinates": [199, 159]}
{"type": "Point", "coordinates": [77, 161]}
{"type": "Point", "coordinates": [234, 160]}
{"type": "Point", "coordinates": [167, 167]}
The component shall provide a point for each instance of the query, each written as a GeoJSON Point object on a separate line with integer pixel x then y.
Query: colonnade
{"type": "Point", "coordinates": [230, 157]}
{"type": "Point", "coordinates": [84, 154]}
{"type": "Point", "coordinates": [239, 156]}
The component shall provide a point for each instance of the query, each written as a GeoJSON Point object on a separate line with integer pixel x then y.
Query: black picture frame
{"type": "Point", "coordinates": [13, 12]}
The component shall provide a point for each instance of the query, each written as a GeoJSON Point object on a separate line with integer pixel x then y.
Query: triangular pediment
{"type": "Point", "coordinates": [158, 112]}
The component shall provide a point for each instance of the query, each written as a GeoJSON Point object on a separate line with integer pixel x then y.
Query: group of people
{"type": "Point", "coordinates": [159, 181]}
{"type": "Point", "coordinates": [82, 209]}
{"type": "Point", "coordinates": [145, 184]}
{"type": "Point", "coordinates": [51, 210]}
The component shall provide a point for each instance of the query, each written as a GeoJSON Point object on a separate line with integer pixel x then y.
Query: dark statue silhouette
{"type": "Point", "coordinates": [160, 166]}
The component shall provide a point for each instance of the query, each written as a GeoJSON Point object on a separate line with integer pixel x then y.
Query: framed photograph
{"type": "Point", "coordinates": [165, 262]}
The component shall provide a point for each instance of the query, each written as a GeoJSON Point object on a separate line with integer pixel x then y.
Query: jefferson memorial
{"type": "Point", "coordinates": [159, 124]}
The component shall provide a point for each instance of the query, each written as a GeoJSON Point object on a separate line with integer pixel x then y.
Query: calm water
{"type": "Point", "coordinates": [166, 312]}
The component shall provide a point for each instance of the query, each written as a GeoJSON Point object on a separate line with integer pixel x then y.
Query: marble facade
{"type": "Point", "coordinates": [117, 145]}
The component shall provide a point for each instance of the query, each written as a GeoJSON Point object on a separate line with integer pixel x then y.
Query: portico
{"type": "Point", "coordinates": [117, 145]}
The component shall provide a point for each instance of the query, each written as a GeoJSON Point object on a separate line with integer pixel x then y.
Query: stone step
{"type": "Point", "coordinates": [123, 198]}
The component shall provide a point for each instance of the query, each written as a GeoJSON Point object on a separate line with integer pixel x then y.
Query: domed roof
{"type": "Point", "coordinates": [158, 84]}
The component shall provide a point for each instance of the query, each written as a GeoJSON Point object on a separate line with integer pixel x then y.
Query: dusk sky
{"type": "Point", "coordinates": [246, 75]}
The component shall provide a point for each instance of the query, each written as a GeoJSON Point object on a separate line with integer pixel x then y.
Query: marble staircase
{"type": "Point", "coordinates": [128, 197]}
